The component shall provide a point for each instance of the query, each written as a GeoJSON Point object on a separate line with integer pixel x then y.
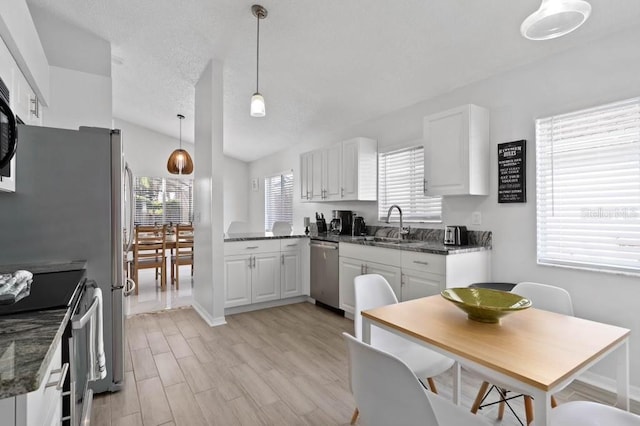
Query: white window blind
{"type": "Point", "coordinates": [400, 181]}
{"type": "Point", "coordinates": [278, 199]}
{"type": "Point", "coordinates": [163, 201]}
{"type": "Point", "coordinates": [588, 188]}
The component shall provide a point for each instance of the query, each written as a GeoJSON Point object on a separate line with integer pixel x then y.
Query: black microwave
{"type": "Point", "coordinates": [8, 132]}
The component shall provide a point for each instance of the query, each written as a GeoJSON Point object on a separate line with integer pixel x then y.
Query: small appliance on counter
{"type": "Point", "coordinates": [456, 235]}
{"type": "Point", "coordinates": [359, 227]}
{"type": "Point", "coordinates": [341, 222]}
{"type": "Point", "coordinates": [321, 223]}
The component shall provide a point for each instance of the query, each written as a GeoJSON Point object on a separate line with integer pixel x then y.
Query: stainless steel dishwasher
{"type": "Point", "coordinates": [325, 287]}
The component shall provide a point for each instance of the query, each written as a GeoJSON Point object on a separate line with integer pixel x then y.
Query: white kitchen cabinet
{"type": "Point", "coordinates": [411, 274]}
{"type": "Point", "coordinates": [305, 176]}
{"type": "Point", "coordinates": [416, 284]}
{"type": "Point", "coordinates": [265, 277]}
{"type": "Point", "coordinates": [359, 169]}
{"type": "Point", "coordinates": [237, 280]}
{"type": "Point", "coordinates": [349, 270]}
{"type": "Point", "coordinates": [456, 152]}
{"type": "Point", "coordinates": [291, 267]}
{"type": "Point", "coordinates": [259, 271]}
{"type": "Point", "coordinates": [344, 171]}
{"type": "Point", "coordinates": [41, 407]}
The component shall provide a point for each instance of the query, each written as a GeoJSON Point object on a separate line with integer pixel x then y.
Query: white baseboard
{"type": "Point", "coordinates": [211, 321]}
{"type": "Point", "coordinates": [607, 384]}
{"type": "Point", "coordinates": [265, 305]}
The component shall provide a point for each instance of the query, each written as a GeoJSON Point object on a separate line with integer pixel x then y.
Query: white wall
{"type": "Point", "coordinates": [79, 71]}
{"type": "Point", "coordinates": [604, 71]}
{"type": "Point", "coordinates": [236, 191]}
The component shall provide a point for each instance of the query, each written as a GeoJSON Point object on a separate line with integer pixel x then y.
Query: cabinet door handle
{"type": "Point", "coordinates": [361, 269]}
{"type": "Point", "coordinates": [63, 375]}
{"type": "Point", "coordinates": [254, 261]}
{"type": "Point", "coordinates": [251, 247]}
{"type": "Point", "coordinates": [249, 260]}
{"type": "Point", "coordinates": [420, 262]}
{"type": "Point", "coordinates": [341, 192]}
{"type": "Point", "coordinates": [292, 245]}
{"type": "Point", "coordinates": [424, 186]}
{"type": "Point", "coordinates": [307, 195]}
{"type": "Point", "coordinates": [401, 279]}
{"type": "Point", "coordinates": [282, 258]}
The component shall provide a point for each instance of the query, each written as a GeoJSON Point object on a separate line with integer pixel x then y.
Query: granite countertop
{"type": "Point", "coordinates": [422, 246]}
{"type": "Point", "coordinates": [259, 236]}
{"type": "Point", "coordinates": [27, 344]}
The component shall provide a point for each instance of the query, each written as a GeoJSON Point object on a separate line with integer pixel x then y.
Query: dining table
{"type": "Point", "coordinates": [533, 351]}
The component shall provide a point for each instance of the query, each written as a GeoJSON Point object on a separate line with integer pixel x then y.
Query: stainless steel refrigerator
{"type": "Point", "coordinates": [69, 204]}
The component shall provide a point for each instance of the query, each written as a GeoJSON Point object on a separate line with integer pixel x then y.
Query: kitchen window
{"type": "Point", "coordinates": [588, 188]}
{"type": "Point", "coordinates": [401, 182]}
{"type": "Point", "coordinates": [163, 200]}
{"type": "Point", "coordinates": [278, 199]}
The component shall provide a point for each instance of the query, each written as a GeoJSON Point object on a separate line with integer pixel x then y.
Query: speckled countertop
{"type": "Point", "coordinates": [28, 340]}
{"type": "Point", "coordinates": [425, 240]}
{"type": "Point", "coordinates": [259, 236]}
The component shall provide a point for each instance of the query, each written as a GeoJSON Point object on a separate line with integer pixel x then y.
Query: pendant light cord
{"type": "Point", "coordinates": [257, 51]}
{"type": "Point", "coordinates": [180, 118]}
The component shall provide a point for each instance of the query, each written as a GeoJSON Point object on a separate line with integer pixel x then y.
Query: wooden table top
{"type": "Point", "coordinates": [537, 347]}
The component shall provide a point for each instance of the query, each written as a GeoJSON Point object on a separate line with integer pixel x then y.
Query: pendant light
{"type": "Point", "coordinates": [555, 18]}
{"type": "Point", "coordinates": [257, 101]}
{"type": "Point", "coordinates": [180, 162]}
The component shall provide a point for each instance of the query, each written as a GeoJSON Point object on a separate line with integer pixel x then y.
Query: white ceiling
{"type": "Point", "coordinates": [323, 64]}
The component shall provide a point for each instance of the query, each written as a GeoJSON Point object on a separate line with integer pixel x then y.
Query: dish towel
{"type": "Point", "coordinates": [101, 364]}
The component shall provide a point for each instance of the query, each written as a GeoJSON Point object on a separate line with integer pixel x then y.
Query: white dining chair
{"type": "Point", "coordinates": [586, 413]}
{"type": "Point", "coordinates": [545, 297]}
{"type": "Point", "coordinates": [281, 228]}
{"type": "Point", "coordinates": [389, 393]}
{"type": "Point", "coordinates": [238, 227]}
{"type": "Point", "coordinates": [372, 291]}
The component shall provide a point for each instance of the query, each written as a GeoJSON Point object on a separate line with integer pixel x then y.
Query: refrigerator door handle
{"type": "Point", "coordinates": [129, 287]}
{"type": "Point", "coordinates": [131, 206]}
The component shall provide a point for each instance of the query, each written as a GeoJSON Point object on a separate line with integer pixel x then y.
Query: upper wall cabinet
{"type": "Point", "coordinates": [344, 171]}
{"type": "Point", "coordinates": [456, 152]}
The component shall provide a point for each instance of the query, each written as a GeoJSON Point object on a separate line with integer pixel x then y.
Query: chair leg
{"type": "Point", "coordinates": [173, 277]}
{"type": "Point", "coordinates": [479, 396]}
{"type": "Point", "coordinates": [354, 417]}
{"type": "Point", "coordinates": [528, 409]}
{"type": "Point", "coordinates": [554, 403]}
{"type": "Point", "coordinates": [503, 393]}
{"type": "Point", "coordinates": [177, 276]}
{"type": "Point", "coordinates": [432, 385]}
{"type": "Point", "coordinates": [163, 277]}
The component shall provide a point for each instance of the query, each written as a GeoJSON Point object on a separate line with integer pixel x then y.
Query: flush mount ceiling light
{"type": "Point", "coordinates": [180, 162]}
{"type": "Point", "coordinates": [555, 18]}
{"type": "Point", "coordinates": [257, 101]}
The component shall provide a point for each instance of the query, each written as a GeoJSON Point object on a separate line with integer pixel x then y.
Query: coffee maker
{"type": "Point", "coordinates": [341, 222]}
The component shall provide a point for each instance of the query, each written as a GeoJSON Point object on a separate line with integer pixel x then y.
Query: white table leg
{"type": "Point", "coordinates": [541, 408]}
{"type": "Point", "coordinates": [457, 386]}
{"type": "Point", "coordinates": [366, 330]}
{"type": "Point", "coordinates": [622, 373]}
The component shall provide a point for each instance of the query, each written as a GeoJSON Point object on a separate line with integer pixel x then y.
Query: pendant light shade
{"type": "Point", "coordinates": [258, 108]}
{"type": "Point", "coordinates": [555, 18]}
{"type": "Point", "coordinates": [180, 162]}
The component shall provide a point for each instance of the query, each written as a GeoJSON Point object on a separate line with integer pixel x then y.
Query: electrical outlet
{"type": "Point", "coordinates": [476, 218]}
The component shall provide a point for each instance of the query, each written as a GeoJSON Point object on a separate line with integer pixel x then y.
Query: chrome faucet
{"type": "Point", "coordinates": [401, 231]}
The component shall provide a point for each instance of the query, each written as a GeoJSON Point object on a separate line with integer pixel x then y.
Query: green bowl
{"type": "Point", "coordinates": [485, 305]}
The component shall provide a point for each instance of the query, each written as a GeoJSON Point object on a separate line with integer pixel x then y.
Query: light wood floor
{"type": "Point", "coordinates": [280, 366]}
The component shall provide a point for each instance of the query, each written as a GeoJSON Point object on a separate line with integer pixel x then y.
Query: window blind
{"type": "Point", "coordinates": [588, 188]}
{"type": "Point", "coordinates": [400, 181]}
{"type": "Point", "coordinates": [278, 199]}
{"type": "Point", "coordinates": [162, 200]}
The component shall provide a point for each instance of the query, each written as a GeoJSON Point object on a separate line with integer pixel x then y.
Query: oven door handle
{"type": "Point", "coordinates": [78, 323]}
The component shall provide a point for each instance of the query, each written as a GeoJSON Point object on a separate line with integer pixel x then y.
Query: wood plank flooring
{"type": "Point", "coordinates": [279, 366]}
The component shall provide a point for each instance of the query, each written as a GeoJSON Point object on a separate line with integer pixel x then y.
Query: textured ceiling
{"type": "Point", "coordinates": [323, 64]}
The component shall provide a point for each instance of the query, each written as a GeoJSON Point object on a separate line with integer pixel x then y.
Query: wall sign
{"type": "Point", "coordinates": [512, 179]}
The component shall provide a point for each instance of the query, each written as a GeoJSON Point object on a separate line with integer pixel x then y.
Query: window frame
{"type": "Point", "coordinates": [165, 200]}
{"type": "Point", "coordinates": [266, 210]}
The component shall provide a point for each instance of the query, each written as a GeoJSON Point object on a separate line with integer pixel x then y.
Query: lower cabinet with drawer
{"type": "Point", "coordinates": [258, 271]}
{"type": "Point", "coordinates": [42, 407]}
{"type": "Point", "coordinates": [411, 274]}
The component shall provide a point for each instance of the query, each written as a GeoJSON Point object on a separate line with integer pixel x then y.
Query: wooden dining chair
{"type": "Point", "coordinates": [389, 393]}
{"type": "Point", "coordinates": [184, 252]}
{"type": "Point", "coordinates": [542, 296]}
{"type": "Point", "coordinates": [149, 251]}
